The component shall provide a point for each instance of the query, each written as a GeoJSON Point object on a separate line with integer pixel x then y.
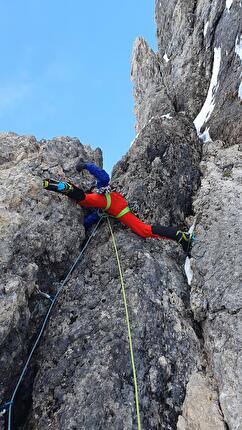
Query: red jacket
{"type": "Point", "coordinates": [118, 203]}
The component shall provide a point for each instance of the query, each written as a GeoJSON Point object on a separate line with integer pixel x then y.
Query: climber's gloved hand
{"type": "Point", "coordinates": [80, 165]}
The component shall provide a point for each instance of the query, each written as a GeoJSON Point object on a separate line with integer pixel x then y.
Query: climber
{"type": "Point", "coordinates": [102, 183]}
{"type": "Point", "coordinates": [116, 205]}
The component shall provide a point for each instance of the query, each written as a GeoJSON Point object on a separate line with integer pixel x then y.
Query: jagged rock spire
{"type": "Point", "coordinates": [150, 95]}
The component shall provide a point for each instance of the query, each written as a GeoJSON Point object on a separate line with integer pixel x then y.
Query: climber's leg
{"type": "Point", "coordinates": [65, 188]}
{"type": "Point", "coordinates": [184, 238]}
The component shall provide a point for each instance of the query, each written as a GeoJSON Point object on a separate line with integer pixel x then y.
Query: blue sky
{"type": "Point", "coordinates": [65, 69]}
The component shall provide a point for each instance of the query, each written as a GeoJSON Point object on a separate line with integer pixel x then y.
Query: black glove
{"type": "Point", "coordinates": [80, 166]}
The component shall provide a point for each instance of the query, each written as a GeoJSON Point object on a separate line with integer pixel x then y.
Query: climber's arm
{"type": "Point", "coordinates": [100, 174]}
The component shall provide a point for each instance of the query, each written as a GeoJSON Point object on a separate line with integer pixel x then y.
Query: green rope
{"type": "Point", "coordinates": [128, 326]}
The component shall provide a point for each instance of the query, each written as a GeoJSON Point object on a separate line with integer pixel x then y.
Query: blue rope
{"type": "Point", "coordinates": [54, 299]}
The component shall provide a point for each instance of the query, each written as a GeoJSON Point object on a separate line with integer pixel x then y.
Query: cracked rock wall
{"type": "Point", "coordinates": [188, 31]}
{"type": "Point", "coordinates": [186, 339]}
{"type": "Point", "coordinates": [38, 240]}
{"type": "Point", "coordinates": [216, 297]}
{"type": "Point", "coordinates": [84, 377]}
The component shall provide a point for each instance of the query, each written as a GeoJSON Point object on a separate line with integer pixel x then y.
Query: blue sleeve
{"type": "Point", "coordinates": [91, 219]}
{"type": "Point", "coordinates": [100, 174]}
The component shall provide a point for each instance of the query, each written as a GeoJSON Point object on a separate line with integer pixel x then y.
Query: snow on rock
{"type": "Point", "coordinates": [150, 120]}
{"type": "Point", "coordinates": [229, 4]}
{"type": "Point", "coordinates": [205, 136]}
{"type": "Point", "coordinates": [205, 29]}
{"type": "Point", "coordinates": [167, 115]}
{"type": "Point", "coordinates": [209, 104]}
{"type": "Point", "coordinates": [166, 58]}
{"type": "Point", "coordinates": [187, 266]}
{"type": "Point", "coordinates": [238, 46]}
{"type": "Point", "coordinates": [136, 137]}
{"type": "Point", "coordinates": [188, 270]}
{"type": "Point", "coordinates": [240, 91]}
{"type": "Point", "coordinates": [238, 50]}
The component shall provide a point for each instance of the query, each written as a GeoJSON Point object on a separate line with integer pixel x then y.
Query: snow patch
{"type": "Point", "coordinates": [149, 120]}
{"type": "Point", "coordinates": [238, 46]}
{"type": "Point", "coordinates": [205, 136]}
{"type": "Point", "coordinates": [187, 266]}
{"type": "Point", "coordinates": [166, 58]}
{"type": "Point", "coordinates": [238, 50]}
{"type": "Point", "coordinates": [167, 115]}
{"type": "Point", "coordinates": [136, 137]}
{"type": "Point", "coordinates": [229, 4]}
{"type": "Point", "coordinates": [240, 91]}
{"type": "Point", "coordinates": [188, 270]}
{"type": "Point", "coordinates": [209, 104]}
{"type": "Point", "coordinates": [205, 29]}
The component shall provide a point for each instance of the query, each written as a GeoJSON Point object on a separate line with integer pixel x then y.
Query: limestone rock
{"type": "Point", "coordinates": [216, 296]}
{"type": "Point", "coordinates": [160, 171]}
{"type": "Point", "coordinates": [188, 32]}
{"type": "Point", "coordinates": [150, 95]}
{"type": "Point", "coordinates": [201, 409]}
{"type": "Point", "coordinates": [85, 358]}
{"type": "Point", "coordinates": [38, 242]}
{"type": "Point", "coordinates": [186, 340]}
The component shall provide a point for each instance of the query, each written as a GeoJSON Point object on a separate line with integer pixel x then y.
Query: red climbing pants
{"type": "Point", "coordinates": [118, 203]}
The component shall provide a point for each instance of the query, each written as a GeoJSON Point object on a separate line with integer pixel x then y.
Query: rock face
{"type": "Point", "coordinates": [201, 407]}
{"type": "Point", "coordinates": [150, 94]}
{"type": "Point", "coordinates": [88, 335]}
{"type": "Point", "coordinates": [84, 357]}
{"type": "Point", "coordinates": [216, 297]}
{"type": "Point", "coordinates": [189, 33]}
{"type": "Point", "coordinates": [38, 241]}
{"type": "Point", "coordinates": [186, 340]}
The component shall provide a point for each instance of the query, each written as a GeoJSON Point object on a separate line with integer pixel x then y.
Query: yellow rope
{"type": "Point", "coordinates": [129, 327]}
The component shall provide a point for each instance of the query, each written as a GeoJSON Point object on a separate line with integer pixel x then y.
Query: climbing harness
{"type": "Point", "coordinates": [7, 406]}
{"type": "Point", "coordinates": [123, 212]}
{"type": "Point", "coordinates": [108, 197]}
{"type": "Point", "coordinates": [128, 326]}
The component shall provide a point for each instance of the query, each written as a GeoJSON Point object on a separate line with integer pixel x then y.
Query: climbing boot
{"type": "Point", "coordinates": [59, 187]}
{"type": "Point", "coordinates": [186, 240]}
{"type": "Point", "coordinates": [66, 188]}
